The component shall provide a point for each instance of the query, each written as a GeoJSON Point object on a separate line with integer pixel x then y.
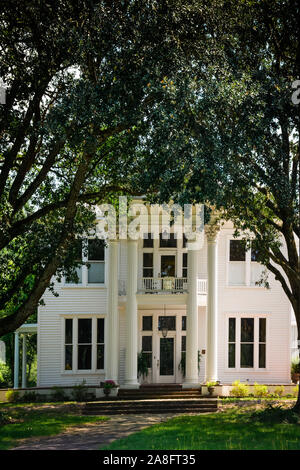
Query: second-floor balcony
{"type": "Point", "coordinates": [164, 285]}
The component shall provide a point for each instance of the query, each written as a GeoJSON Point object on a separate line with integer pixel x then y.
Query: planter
{"type": "Point", "coordinates": [295, 378]}
{"type": "Point", "coordinates": [100, 392]}
{"type": "Point", "coordinates": [211, 390]}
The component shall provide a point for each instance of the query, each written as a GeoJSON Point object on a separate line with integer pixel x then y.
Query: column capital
{"type": "Point", "coordinates": [211, 231]}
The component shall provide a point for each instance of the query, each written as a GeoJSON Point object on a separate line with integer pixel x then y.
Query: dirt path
{"type": "Point", "coordinates": [93, 436]}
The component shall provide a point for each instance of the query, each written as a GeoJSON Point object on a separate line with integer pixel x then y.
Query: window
{"type": "Point", "coordinates": [147, 323]}
{"type": "Point", "coordinates": [183, 323]}
{"type": "Point", "coordinates": [184, 265]}
{"type": "Point", "coordinates": [96, 261]}
{"type": "Point", "coordinates": [148, 240]}
{"type": "Point", "coordinates": [68, 344]}
{"type": "Point", "coordinates": [247, 342]}
{"type": "Point", "coordinates": [84, 344]}
{"type": "Point", "coordinates": [147, 350]}
{"type": "Point", "coordinates": [167, 240]}
{"type": "Point", "coordinates": [147, 264]}
{"type": "Point", "coordinates": [167, 321]}
{"type": "Point", "coordinates": [237, 257]}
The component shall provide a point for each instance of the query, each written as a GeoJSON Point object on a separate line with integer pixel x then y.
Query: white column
{"type": "Point", "coordinates": [112, 354]}
{"type": "Point", "coordinates": [16, 361]}
{"type": "Point", "coordinates": [212, 304]}
{"type": "Point", "coordinates": [24, 361]}
{"type": "Point", "coordinates": [131, 380]}
{"type": "Point", "coordinates": [192, 379]}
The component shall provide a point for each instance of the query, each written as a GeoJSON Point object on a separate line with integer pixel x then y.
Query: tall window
{"type": "Point", "coordinates": [96, 271]}
{"type": "Point", "coordinates": [237, 258]}
{"type": "Point", "coordinates": [78, 270]}
{"type": "Point", "coordinates": [148, 240]}
{"type": "Point", "coordinates": [184, 265]}
{"type": "Point", "coordinates": [147, 350]}
{"type": "Point", "coordinates": [147, 264]}
{"type": "Point", "coordinates": [167, 240]}
{"type": "Point", "coordinates": [84, 344]}
{"type": "Point", "coordinates": [247, 342]}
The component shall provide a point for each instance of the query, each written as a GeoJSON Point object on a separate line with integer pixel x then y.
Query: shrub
{"type": "Point", "coordinates": [29, 397]}
{"type": "Point", "coordinates": [260, 390]}
{"type": "Point", "coordinates": [58, 394]}
{"type": "Point", "coordinates": [295, 367]}
{"type": "Point", "coordinates": [239, 389]}
{"type": "Point", "coordinates": [5, 377]}
{"type": "Point", "coordinates": [279, 391]}
{"type": "Point", "coordinates": [295, 391]}
{"type": "Point", "coordinates": [79, 392]}
{"type": "Point", "coordinates": [12, 396]}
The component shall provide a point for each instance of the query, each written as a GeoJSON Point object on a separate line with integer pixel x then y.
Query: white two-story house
{"type": "Point", "coordinates": [175, 302]}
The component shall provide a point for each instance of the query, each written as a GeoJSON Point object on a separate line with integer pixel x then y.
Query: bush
{"type": "Point", "coordinates": [239, 389]}
{"type": "Point", "coordinates": [29, 397]}
{"type": "Point", "coordinates": [295, 367]}
{"type": "Point", "coordinates": [5, 377]}
{"type": "Point", "coordinates": [260, 390]}
{"type": "Point", "coordinates": [79, 392]}
{"type": "Point", "coordinates": [279, 391]}
{"type": "Point", "coordinates": [12, 396]}
{"type": "Point", "coordinates": [295, 391]}
{"type": "Point", "coordinates": [58, 394]}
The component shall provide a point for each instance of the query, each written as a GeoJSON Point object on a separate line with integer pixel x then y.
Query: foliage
{"type": "Point", "coordinates": [296, 390]}
{"type": "Point", "coordinates": [79, 391]}
{"type": "Point", "coordinates": [182, 363]}
{"type": "Point", "coordinates": [109, 384]}
{"type": "Point", "coordinates": [279, 390]}
{"type": "Point", "coordinates": [295, 367]}
{"type": "Point", "coordinates": [12, 396]}
{"type": "Point", "coordinates": [275, 414]}
{"type": "Point", "coordinates": [5, 378]}
{"type": "Point", "coordinates": [211, 384]}
{"type": "Point", "coordinates": [29, 397]}
{"type": "Point", "coordinates": [58, 394]}
{"type": "Point", "coordinates": [142, 365]}
{"type": "Point", "coordinates": [239, 389]}
{"type": "Point", "coordinates": [260, 390]}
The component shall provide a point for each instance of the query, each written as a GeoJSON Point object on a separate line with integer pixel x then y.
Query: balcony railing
{"type": "Point", "coordinates": [173, 285]}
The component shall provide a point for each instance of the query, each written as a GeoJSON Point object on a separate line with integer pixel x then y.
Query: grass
{"type": "Point", "coordinates": [35, 420]}
{"type": "Point", "coordinates": [269, 429]}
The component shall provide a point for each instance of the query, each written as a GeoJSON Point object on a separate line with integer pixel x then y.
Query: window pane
{"type": "Point", "coordinates": [231, 330]}
{"type": "Point", "coordinates": [184, 272]}
{"type": "Point", "coordinates": [262, 330]}
{"type": "Point", "coordinates": [183, 323]}
{"type": "Point", "coordinates": [169, 242]}
{"type": "Point", "coordinates": [148, 242]}
{"type": "Point", "coordinates": [147, 323]}
{"type": "Point", "coordinates": [146, 343]}
{"type": "Point", "coordinates": [147, 272]}
{"type": "Point", "coordinates": [237, 250]}
{"type": "Point", "coordinates": [246, 355]}
{"type": "Point", "coordinates": [183, 343]}
{"type": "Point", "coordinates": [169, 322]}
{"type": "Point", "coordinates": [84, 357]}
{"type": "Point", "coordinates": [262, 356]}
{"type": "Point", "coordinates": [69, 331]}
{"type": "Point", "coordinates": [100, 356]}
{"type": "Point", "coordinates": [247, 330]}
{"type": "Point", "coordinates": [100, 330]}
{"type": "Point", "coordinates": [78, 271]}
{"type": "Point", "coordinates": [68, 357]}
{"type": "Point", "coordinates": [231, 355]}
{"type": "Point", "coordinates": [148, 260]}
{"type": "Point", "coordinates": [96, 273]}
{"type": "Point", "coordinates": [184, 241]}
{"type": "Point", "coordinates": [184, 260]}
{"type": "Point", "coordinates": [96, 250]}
{"type": "Point", "coordinates": [84, 330]}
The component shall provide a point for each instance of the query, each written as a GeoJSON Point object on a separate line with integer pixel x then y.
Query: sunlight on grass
{"type": "Point", "coordinates": [230, 430]}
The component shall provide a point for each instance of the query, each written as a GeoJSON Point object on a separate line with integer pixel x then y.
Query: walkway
{"type": "Point", "coordinates": [93, 436]}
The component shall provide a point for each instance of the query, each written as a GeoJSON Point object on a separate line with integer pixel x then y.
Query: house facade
{"type": "Point", "coordinates": [194, 311]}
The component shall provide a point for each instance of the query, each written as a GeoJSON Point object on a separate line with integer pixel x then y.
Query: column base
{"type": "Point", "coordinates": [191, 385]}
{"type": "Point", "coordinates": [130, 386]}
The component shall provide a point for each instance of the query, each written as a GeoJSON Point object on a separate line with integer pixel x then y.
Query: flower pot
{"type": "Point", "coordinates": [211, 390]}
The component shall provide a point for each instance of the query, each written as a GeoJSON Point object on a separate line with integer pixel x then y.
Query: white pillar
{"type": "Point", "coordinates": [16, 361]}
{"type": "Point", "coordinates": [24, 361]}
{"type": "Point", "coordinates": [192, 379]}
{"type": "Point", "coordinates": [112, 362]}
{"type": "Point", "coordinates": [131, 380]}
{"type": "Point", "coordinates": [212, 304]}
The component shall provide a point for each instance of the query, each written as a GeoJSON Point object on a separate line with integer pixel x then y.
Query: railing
{"type": "Point", "coordinates": [174, 285]}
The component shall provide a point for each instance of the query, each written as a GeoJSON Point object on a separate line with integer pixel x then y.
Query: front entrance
{"type": "Point", "coordinates": [163, 345]}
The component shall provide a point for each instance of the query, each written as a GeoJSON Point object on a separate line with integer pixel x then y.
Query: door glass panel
{"type": "Point", "coordinates": [167, 266]}
{"type": "Point", "coordinates": [166, 361]}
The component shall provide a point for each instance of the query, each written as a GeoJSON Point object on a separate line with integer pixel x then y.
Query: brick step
{"type": "Point", "coordinates": [149, 411]}
{"type": "Point", "coordinates": [145, 402]}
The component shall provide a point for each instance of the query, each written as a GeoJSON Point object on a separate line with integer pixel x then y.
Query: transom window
{"type": "Point", "coordinates": [243, 266]}
{"type": "Point", "coordinates": [247, 342]}
{"type": "Point", "coordinates": [92, 253]}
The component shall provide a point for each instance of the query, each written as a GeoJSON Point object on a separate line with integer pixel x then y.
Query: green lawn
{"type": "Point", "coordinates": [30, 420]}
{"type": "Point", "coordinates": [274, 429]}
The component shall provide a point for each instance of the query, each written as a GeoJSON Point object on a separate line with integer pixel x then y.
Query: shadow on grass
{"type": "Point", "coordinates": [240, 430]}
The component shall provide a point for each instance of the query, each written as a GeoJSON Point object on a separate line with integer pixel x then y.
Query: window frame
{"type": "Point", "coordinates": [238, 316]}
{"type": "Point", "coordinates": [75, 317]}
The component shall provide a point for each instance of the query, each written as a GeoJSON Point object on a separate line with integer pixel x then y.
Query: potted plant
{"type": "Point", "coordinates": [211, 387]}
{"type": "Point", "coordinates": [295, 371]}
{"type": "Point", "coordinates": [108, 385]}
{"type": "Point", "coordinates": [142, 365]}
